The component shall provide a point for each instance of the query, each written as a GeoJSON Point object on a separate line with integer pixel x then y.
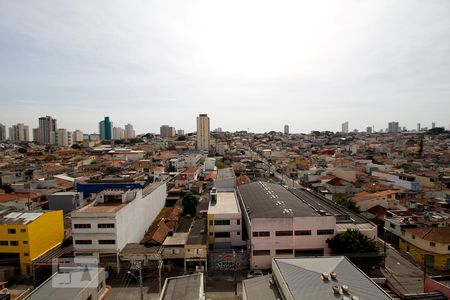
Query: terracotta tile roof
{"type": "Point", "coordinates": [211, 176]}
{"type": "Point", "coordinates": [335, 182]}
{"type": "Point", "coordinates": [190, 170]}
{"type": "Point", "coordinates": [182, 176]}
{"type": "Point", "coordinates": [63, 183]}
{"type": "Point", "coordinates": [243, 179]}
{"type": "Point", "coordinates": [363, 196]}
{"type": "Point", "coordinates": [434, 234]}
{"type": "Point", "coordinates": [17, 196]}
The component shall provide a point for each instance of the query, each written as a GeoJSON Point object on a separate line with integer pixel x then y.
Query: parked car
{"type": "Point", "coordinates": [254, 273]}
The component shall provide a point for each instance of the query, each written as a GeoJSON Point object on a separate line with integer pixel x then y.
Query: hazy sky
{"type": "Point", "coordinates": [253, 65]}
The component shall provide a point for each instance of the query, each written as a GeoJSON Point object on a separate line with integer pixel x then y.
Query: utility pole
{"type": "Point", "coordinates": [141, 284]}
{"type": "Point", "coordinates": [235, 270]}
{"type": "Point", "coordinates": [424, 272]}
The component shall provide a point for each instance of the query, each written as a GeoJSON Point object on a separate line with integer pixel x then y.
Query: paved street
{"type": "Point", "coordinates": [406, 277]}
{"type": "Point", "coordinates": [131, 293]}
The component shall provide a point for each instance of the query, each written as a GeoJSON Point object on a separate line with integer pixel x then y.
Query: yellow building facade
{"type": "Point", "coordinates": [24, 236]}
{"type": "Point", "coordinates": [430, 246]}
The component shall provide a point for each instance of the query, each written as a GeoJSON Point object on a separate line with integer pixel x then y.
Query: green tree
{"type": "Point", "coordinates": [436, 130]}
{"type": "Point", "coordinates": [181, 138]}
{"type": "Point", "coordinates": [221, 165]}
{"type": "Point", "coordinates": [76, 146]}
{"type": "Point", "coordinates": [189, 202]}
{"type": "Point", "coordinates": [352, 241]}
{"type": "Point", "coordinates": [347, 203]}
{"type": "Point", "coordinates": [7, 188]}
{"type": "Point", "coordinates": [22, 150]}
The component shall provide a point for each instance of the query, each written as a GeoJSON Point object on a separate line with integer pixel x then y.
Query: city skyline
{"type": "Point", "coordinates": [280, 128]}
{"type": "Point", "coordinates": [159, 62]}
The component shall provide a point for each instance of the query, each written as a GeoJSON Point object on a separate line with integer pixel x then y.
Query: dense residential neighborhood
{"type": "Point", "coordinates": [159, 212]}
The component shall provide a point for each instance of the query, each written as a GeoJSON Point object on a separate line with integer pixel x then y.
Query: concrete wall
{"type": "Point", "coordinates": [136, 217]}
{"type": "Point", "coordinates": [274, 242]}
{"type": "Point", "coordinates": [432, 285]}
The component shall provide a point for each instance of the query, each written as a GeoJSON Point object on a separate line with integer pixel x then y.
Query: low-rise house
{"type": "Point", "coordinates": [196, 245]}
{"type": "Point", "coordinates": [429, 246]}
{"type": "Point", "coordinates": [386, 199]}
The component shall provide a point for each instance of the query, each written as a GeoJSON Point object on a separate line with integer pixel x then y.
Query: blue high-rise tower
{"type": "Point", "coordinates": [105, 128]}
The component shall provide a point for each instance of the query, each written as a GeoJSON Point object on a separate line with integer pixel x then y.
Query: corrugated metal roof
{"type": "Point", "coordinates": [20, 218]}
{"type": "Point", "coordinates": [303, 278]}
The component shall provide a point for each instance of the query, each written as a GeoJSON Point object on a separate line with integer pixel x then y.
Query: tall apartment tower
{"type": "Point", "coordinates": [63, 137]}
{"type": "Point", "coordinates": [345, 127]}
{"type": "Point", "coordinates": [105, 129]}
{"type": "Point", "coordinates": [369, 129]}
{"type": "Point", "coordinates": [19, 133]}
{"type": "Point", "coordinates": [129, 132]}
{"type": "Point", "coordinates": [36, 134]}
{"type": "Point", "coordinates": [118, 133]}
{"type": "Point", "coordinates": [286, 129]}
{"type": "Point", "coordinates": [166, 131]}
{"type": "Point", "coordinates": [77, 136]}
{"type": "Point", "coordinates": [203, 132]}
{"type": "Point", "coordinates": [393, 127]}
{"type": "Point", "coordinates": [2, 132]}
{"type": "Point", "coordinates": [433, 125]}
{"type": "Point", "coordinates": [418, 127]}
{"type": "Point", "coordinates": [47, 130]}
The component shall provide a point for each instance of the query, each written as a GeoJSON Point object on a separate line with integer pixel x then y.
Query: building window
{"type": "Point", "coordinates": [5, 243]}
{"type": "Point", "coordinates": [26, 254]}
{"type": "Point", "coordinates": [283, 252]}
{"type": "Point", "coordinates": [106, 225]}
{"type": "Point", "coordinates": [211, 222]}
{"type": "Point", "coordinates": [448, 247]}
{"type": "Point", "coordinates": [211, 233]}
{"type": "Point", "coordinates": [261, 252]}
{"type": "Point", "coordinates": [83, 242]}
{"type": "Point", "coordinates": [303, 232]}
{"type": "Point", "coordinates": [261, 233]}
{"type": "Point", "coordinates": [325, 231]}
{"type": "Point", "coordinates": [309, 252]}
{"type": "Point", "coordinates": [283, 233]}
{"type": "Point", "coordinates": [432, 244]}
{"type": "Point", "coordinates": [106, 242]}
{"type": "Point", "coordinates": [14, 243]}
{"type": "Point", "coordinates": [222, 234]}
{"type": "Point", "coordinates": [238, 233]}
{"type": "Point", "coordinates": [413, 237]}
{"type": "Point", "coordinates": [392, 225]}
{"type": "Point", "coordinates": [221, 222]}
{"type": "Point", "coordinates": [11, 231]}
{"type": "Point", "coordinates": [81, 226]}
{"type": "Point", "coordinates": [238, 222]}
{"type": "Point", "coordinates": [23, 230]}
{"type": "Point", "coordinates": [25, 242]}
